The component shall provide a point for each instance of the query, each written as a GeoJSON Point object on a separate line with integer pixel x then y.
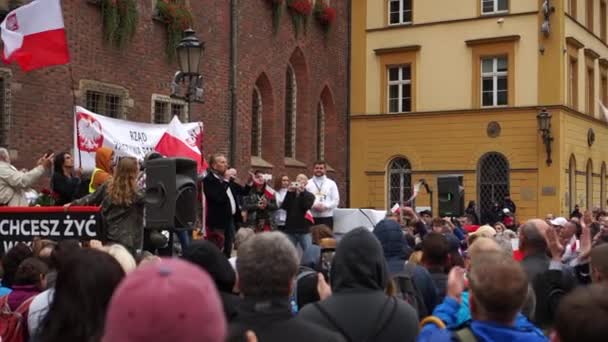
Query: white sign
{"type": "Point", "coordinates": [126, 138]}
{"type": "Point", "coordinates": [347, 219]}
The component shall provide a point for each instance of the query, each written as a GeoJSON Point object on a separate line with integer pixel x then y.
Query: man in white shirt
{"type": "Point", "coordinates": [327, 197]}
{"type": "Point", "coordinates": [14, 183]}
{"type": "Point", "coordinates": [568, 235]}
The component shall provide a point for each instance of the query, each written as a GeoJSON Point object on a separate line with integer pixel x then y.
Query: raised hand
{"type": "Point", "coordinates": [556, 248]}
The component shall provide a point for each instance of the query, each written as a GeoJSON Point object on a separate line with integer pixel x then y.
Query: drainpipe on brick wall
{"type": "Point", "coordinates": [233, 78]}
{"type": "Point", "coordinates": [348, 62]}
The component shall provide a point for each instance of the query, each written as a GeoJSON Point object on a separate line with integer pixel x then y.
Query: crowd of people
{"type": "Point", "coordinates": [413, 277]}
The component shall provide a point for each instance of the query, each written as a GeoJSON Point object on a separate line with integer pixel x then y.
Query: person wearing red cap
{"type": "Point", "coordinates": [167, 301]}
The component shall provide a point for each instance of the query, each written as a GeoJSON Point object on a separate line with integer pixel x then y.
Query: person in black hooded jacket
{"type": "Point", "coordinates": [208, 257]}
{"type": "Point", "coordinates": [358, 308]}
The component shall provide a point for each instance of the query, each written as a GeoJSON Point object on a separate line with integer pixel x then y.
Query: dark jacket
{"type": "Point", "coordinates": [296, 206]}
{"type": "Point", "coordinates": [208, 257]}
{"type": "Point", "coordinates": [218, 208]}
{"type": "Point", "coordinates": [471, 211]}
{"type": "Point", "coordinates": [66, 188]}
{"type": "Point", "coordinates": [121, 224]}
{"type": "Point", "coordinates": [534, 265]}
{"type": "Point", "coordinates": [273, 321]}
{"type": "Point", "coordinates": [396, 252]}
{"type": "Point", "coordinates": [257, 218]}
{"type": "Point", "coordinates": [358, 305]}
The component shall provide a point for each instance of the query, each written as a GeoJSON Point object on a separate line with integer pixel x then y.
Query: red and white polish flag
{"type": "Point", "coordinates": [34, 35]}
{"type": "Point", "coordinates": [396, 208]}
{"type": "Point", "coordinates": [308, 216]}
{"type": "Point", "coordinates": [269, 192]}
{"type": "Point", "coordinates": [176, 142]}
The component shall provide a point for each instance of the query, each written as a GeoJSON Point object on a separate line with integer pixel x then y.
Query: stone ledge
{"type": "Point", "coordinates": [261, 163]}
{"type": "Point", "coordinates": [291, 162]}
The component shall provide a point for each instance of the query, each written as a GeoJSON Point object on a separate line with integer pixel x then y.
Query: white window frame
{"type": "Point", "coordinates": [495, 9]}
{"type": "Point", "coordinates": [400, 83]}
{"type": "Point", "coordinates": [495, 74]}
{"type": "Point", "coordinates": [169, 101]}
{"type": "Point", "coordinates": [402, 11]}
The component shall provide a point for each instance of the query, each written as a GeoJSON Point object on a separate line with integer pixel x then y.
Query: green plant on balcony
{"type": "Point", "coordinates": [177, 17]}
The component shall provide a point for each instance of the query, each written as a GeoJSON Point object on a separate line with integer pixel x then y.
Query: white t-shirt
{"type": "Point", "coordinates": [38, 309]}
{"type": "Point", "coordinates": [326, 192]}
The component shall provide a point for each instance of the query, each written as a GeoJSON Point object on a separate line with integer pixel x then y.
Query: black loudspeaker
{"type": "Point", "coordinates": [170, 199]}
{"type": "Point", "coordinates": [451, 196]}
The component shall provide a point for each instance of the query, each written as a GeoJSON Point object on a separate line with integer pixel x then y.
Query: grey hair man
{"type": "Point", "coordinates": [267, 267]}
{"type": "Point", "coordinates": [14, 183]}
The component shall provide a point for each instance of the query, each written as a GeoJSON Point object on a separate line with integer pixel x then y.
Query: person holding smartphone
{"type": "Point", "coordinates": [14, 183]}
{"type": "Point", "coordinates": [297, 204]}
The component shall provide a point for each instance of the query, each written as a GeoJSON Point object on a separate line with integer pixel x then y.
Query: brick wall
{"type": "Point", "coordinates": [320, 62]}
{"type": "Point", "coordinates": [42, 100]}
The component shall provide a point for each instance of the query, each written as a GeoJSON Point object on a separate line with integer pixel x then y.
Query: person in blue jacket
{"type": "Point", "coordinates": [497, 291]}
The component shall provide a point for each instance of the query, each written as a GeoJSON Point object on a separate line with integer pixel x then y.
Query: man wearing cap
{"type": "Point", "coordinates": [558, 223]}
{"type": "Point", "coordinates": [170, 300]}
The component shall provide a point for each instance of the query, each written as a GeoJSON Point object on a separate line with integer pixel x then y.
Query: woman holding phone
{"type": "Point", "coordinates": [297, 204]}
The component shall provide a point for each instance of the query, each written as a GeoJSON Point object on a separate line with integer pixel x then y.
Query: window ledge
{"type": "Point", "coordinates": [494, 14]}
{"type": "Point", "coordinates": [291, 162]}
{"type": "Point", "coordinates": [94, 2]}
{"type": "Point", "coordinates": [407, 23]}
{"type": "Point", "coordinates": [261, 163]}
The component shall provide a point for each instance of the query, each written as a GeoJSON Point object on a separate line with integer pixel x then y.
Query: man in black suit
{"type": "Point", "coordinates": [221, 204]}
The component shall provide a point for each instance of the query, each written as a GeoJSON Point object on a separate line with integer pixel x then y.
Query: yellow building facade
{"type": "Point", "coordinates": [450, 91]}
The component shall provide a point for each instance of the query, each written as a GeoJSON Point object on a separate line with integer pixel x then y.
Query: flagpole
{"type": "Point", "coordinates": [72, 82]}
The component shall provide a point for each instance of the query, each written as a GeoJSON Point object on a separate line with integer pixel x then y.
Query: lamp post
{"type": "Point", "coordinates": [544, 127]}
{"type": "Point", "coordinates": [189, 53]}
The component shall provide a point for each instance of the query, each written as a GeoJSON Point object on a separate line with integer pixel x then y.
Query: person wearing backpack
{"type": "Point", "coordinates": [29, 281]}
{"type": "Point", "coordinates": [413, 282]}
{"type": "Point", "coordinates": [358, 307]}
{"type": "Point", "coordinates": [497, 291]}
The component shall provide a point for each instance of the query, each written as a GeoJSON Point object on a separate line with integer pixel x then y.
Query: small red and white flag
{"type": "Point", "coordinates": [34, 35]}
{"type": "Point", "coordinates": [308, 216]}
{"type": "Point", "coordinates": [396, 208]}
{"type": "Point", "coordinates": [269, 192]}
{"type": "Point", "coordinates": [175, 143]}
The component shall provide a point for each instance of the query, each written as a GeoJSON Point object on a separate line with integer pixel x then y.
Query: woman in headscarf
{"type": "Point", "coordinates": [103, 168]}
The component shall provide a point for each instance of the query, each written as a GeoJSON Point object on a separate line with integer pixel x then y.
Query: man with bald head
{"type": "Point", "coordinates": [533, 245]}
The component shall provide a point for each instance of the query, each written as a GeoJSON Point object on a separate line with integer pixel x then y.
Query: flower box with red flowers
{"type": "Point", "coordinates": [326, 16]}
{"type": "Point", "coordinates": [301, 7]}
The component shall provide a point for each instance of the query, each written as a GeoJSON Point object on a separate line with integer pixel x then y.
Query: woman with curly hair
{"type": "Point", "coordinates": [122, 206]}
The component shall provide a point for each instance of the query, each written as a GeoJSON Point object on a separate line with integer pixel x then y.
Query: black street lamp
{"type": "Point", "coordinates": [544, 127]}
{"type": "Point", "coordinates": [189, 53]}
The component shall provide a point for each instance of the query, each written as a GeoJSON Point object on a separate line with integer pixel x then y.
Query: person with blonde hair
{"type": "Point", "coordinates": [122, 206]}
{"type": "Point", "coordinates": [122, 255]}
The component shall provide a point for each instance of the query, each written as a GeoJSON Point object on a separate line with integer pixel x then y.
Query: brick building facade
{"type": "Point", "coordinates": [277, 76]}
